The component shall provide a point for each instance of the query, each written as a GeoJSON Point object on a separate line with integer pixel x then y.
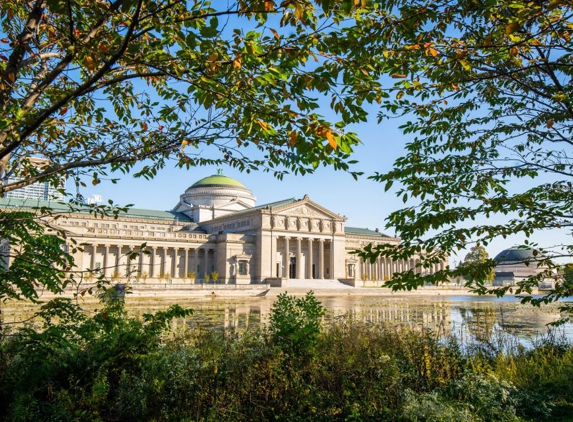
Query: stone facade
{"type": "Point", "coordinates": [245, 244]}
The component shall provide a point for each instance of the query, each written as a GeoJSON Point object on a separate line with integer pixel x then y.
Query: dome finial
{"type": "Point", "coordinates": [220, 172]}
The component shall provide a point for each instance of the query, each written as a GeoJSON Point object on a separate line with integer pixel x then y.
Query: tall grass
{"type": "Point", "coordinates": [124, 369]}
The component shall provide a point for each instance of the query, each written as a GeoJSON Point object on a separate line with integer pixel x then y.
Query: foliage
{"type": "Point", "coordinates": [40, 259]}
{"type": "Point", "coordinates": [477, 255]}
{"type": "Point", "coordinates": [484, 93]}
{"type": "Point", "coordinates": [70, 350]}
{"type": "Point", "coordinates": [113, 367]}
{"type": "Point", "coordinates": [295, 322]}
{"type": "Point", "coordinates": [88, 84]}
{"type": "Point", "coordinates": [206, 277]}
{"type": "Point", "coordinates": [214, 276]}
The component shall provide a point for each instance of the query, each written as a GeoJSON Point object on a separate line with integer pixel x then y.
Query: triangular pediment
{"type": "Point", "coordinates": [306, 208]}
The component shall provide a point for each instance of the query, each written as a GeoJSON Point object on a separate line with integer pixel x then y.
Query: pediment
{"type": "Point", "coordinates": [310, 210]}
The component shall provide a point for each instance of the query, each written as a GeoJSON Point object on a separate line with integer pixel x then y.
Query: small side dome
{"type": "Point", "coordinates": [515, 255]}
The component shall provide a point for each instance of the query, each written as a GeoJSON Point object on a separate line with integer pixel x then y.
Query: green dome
{"type": "Point", "coordinates": [218, 180]}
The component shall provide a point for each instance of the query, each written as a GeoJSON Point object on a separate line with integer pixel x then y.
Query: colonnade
{"type": "Point", "coordinates": [383, 268]}
{"type": "Point", "coordinates": [320, 266]}
{"type": "Point", "coordinates": [153, 262]}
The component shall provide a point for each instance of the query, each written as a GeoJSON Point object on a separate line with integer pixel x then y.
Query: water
{"type": "Point", "coordinates": [468, 318]}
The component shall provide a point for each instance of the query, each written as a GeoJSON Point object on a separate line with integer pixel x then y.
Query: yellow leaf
{"type": "Point", "coordinates": [512, 27]}
{"type": "Point", "coordinates": [331, 139]}
{"type": "Point", "coordinates": [262, 124]}
{"type": "Point", "coordinates": [399, 95]}
{"type": "Point", "coordinates": [293, 138]}
{"type": "Point", "coordinates": [432, 52]}
{"type": "Point", "coordinates": [89, 63]}
{"type": "Point", "coordinates": [397, 75]}
{"type": "Point", "coordinates": [237, 63]}
{"type": "Point", "coordinates": [514, 50]}
{"type": "Point", "coordinates": [466, 65]}
{"type": "Point", "coordinates": [365, 72]}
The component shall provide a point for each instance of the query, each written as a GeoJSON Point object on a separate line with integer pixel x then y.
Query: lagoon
{"type": "Point", "coordinates": [466, 317]}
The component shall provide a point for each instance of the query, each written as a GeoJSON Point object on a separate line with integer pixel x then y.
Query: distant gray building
{"type": "Point", "coordinates": [40, 190]}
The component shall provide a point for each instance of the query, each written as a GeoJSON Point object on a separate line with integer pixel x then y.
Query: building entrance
{"type": "Point", "coordinates": [292, 268]}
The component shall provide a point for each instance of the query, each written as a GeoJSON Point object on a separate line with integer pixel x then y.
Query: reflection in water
{"type": "Point", "coordinates": [467, 318]}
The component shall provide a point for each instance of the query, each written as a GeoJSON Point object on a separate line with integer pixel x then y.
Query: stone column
{"type": "Point", "coordinates": [186, 263]}
{"type": "Point", "coordinates": [175, 263]}
{"type": "Point", "coordinates": [299, 267]}
{"type": "Point", "coordinates": [196, 263]}
{"type": "Point", "coordinates": [321, 259]}
{"type": "Point", "coordinates": [274, 250]}
{"type": "Point", "coordinates": [331, 259]}
{"type": "Point", "coordinates": [309, 258]}
{"type": "Point", "coordinates": [92, 258]}
{"type": "Point", "coordinates": [286, 259]}
{"type": "Point", "coordinates": [151, 261]}
{"type": "Point", "coordinates": [206, 252]}
{"type": "Point", "coordinates": [164, 263]}
{"type": "Point", "coordinates": [105, 264]}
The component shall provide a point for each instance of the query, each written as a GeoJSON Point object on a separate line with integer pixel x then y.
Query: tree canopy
{"type": "Point", "coordinates": [98, 86]}
{"type": "Point", "coordinates": [93, 85]}
{"type": "Point", "coordinates": [476, 256]}
{"type": "Point", "coordinates": [484, 89]}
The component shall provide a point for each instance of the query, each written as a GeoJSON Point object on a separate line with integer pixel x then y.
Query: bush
{"type": "Point", "coordinates": [295, 322]}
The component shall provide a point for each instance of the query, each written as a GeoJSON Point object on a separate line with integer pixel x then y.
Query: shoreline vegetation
{"type": "Point", "coordinates": [116, 367]}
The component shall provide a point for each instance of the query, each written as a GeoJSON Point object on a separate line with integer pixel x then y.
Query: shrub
{"type": "Point", "coordinates": [214, 276]}
{"type": "Point", "coordinates": [295, 322]}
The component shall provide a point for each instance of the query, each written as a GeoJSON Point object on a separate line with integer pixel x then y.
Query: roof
{"type": "Point", "coordinates": [515, 255]}
{"type": "Point", "coordinates": [218, 180]}
{"type": "Point", "coordinates": [358, 231]}
{"type": "Point", "coordinates": [62, 207]}
{"type": "Point", "coordinates": [270, 205]}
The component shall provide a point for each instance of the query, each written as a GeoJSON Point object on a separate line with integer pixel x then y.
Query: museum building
{"type": "Point", "coordinates": [216, 228]}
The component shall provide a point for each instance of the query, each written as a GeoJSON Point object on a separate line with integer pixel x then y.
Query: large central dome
{"type": "Point", "coordinates": [218, 180]}
{"type": "Point", "coordinates": [214, 196]}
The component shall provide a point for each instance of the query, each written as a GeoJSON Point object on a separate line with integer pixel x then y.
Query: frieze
{"type": "Point", "coordinates": [304, 211]}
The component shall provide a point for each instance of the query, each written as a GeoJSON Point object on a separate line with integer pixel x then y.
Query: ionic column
{"type": "Point", "coordinates": [274, 250]}
{"type": "Point", "coordinates": [186, 263]}
{"type": "Point", "coordinates": [321, 259]}
{"type": "Point", "coordinates": [286, 259]}
{"type": "Point", "coordinates": [92, 258]}
{"type": "Point", "coordinates": [174, 264]}
{"type": "Point", "coordinates": [206, 251]}
{"type": "Point", "coordinates": [151, 261]}
{"type": "Point", "coordinates": [164, 263]}
{"type": "Point", "coordinates": [105, 269]}
{"type": "Point", "coordinates": [299, 268]}
{"type": "Point", "coordinates": [331, 260]}
{"type": "Point", "coordinates": [309, 263]}
{"type": "Point", "coordinates": [196, 263]}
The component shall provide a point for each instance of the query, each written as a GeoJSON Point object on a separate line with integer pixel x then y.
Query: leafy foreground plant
{"type": "Point", "coordinates": [115, 368]}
